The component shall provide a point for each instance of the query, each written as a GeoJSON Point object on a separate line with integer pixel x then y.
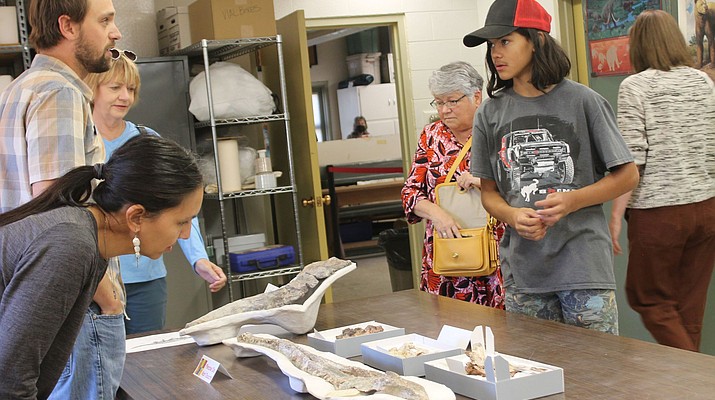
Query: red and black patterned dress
{"type": "Point", "coordinates": [436, 152]}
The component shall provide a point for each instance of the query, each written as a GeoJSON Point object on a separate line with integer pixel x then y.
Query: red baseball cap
{"type": "Point", "coordinates": [506, 16]}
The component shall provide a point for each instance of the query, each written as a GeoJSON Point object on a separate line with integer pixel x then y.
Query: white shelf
{"type": "Point", "coordinates": [250, 192]}
{"type": "Point", "coordinates": [239, 277]}
{"type": "Point", "coordinates": [243, 121]}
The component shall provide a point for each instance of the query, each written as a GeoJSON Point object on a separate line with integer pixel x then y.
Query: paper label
{"type": "Point", "coordinates": [208, 367]}
{"type": "Point", "coordinates": [317, 334]}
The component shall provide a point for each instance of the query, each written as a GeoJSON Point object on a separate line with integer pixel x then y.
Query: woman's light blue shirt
{"type": "Point", "coordinates": [149, 269]}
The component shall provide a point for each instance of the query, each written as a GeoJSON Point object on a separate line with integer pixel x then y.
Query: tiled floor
{"type": "Point", "coordinates": [370, 278]}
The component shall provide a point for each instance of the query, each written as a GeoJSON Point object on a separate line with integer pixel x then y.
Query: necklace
{"type": "Point", "coordinates": [111, 270]}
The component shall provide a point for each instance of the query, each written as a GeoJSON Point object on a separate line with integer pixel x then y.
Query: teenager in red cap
{"type": "Point", "coordinates": [542, 147]}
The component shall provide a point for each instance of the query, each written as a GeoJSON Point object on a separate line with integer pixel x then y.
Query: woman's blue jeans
{"type": "Point", "coordinates": [95, 367]}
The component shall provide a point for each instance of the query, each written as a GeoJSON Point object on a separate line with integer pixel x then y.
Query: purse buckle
{"type": "Point", "coordinates": [455, 255]}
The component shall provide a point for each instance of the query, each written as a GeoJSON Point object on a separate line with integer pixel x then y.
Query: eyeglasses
{"type": "Point", "coordinates": [116, 53]}
{"type": "Point", "coordinates": [449, 104]}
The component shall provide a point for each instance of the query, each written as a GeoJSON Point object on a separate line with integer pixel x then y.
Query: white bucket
{"type": "Point", "coordinates": [8, 26]}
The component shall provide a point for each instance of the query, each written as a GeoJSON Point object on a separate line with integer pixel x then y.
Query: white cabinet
{"type": "Point", "coordinates": [377, 103]}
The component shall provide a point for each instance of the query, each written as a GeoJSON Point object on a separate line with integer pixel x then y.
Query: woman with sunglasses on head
{"type": "Point", "coordinates": [55, 249]}
{"type": "Point", "coordinates": [95, 368]}
{"type": "Point", "coordinates": [457, 91]}
{"type": "Point", "coordinates": [543, 145]}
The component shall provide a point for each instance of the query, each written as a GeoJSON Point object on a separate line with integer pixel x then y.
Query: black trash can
{"type": "Point", "coordinates": [396, 243]}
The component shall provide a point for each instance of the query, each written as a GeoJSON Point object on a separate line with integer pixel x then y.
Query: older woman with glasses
{"type": "Point", "coordinates": [457, 91]}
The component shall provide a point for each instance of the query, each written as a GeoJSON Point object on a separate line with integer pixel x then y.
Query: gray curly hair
{"type": "Point", "coordinates": [457, 76]}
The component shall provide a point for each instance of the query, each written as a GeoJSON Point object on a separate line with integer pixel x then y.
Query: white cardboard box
{"type": "Point", "coordinates": [498, 384]}
{"type": "Point", "coordinates": [172, 24]}
{"type": "Point", "coordinates": [240, 243]}
{"type": "Point", "coordinates": [364, 63]}
{"type": "Point", "coordinates": [451, 341]}
{"type": "Point", "coordinates": [349, 347]}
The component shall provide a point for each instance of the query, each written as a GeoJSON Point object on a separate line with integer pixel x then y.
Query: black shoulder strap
{"type": "Point", "coordinates": [142, 129]}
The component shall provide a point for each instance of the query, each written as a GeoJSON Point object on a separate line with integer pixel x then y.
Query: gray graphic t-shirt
{"type": "Point", "coordinates": [533, 146]}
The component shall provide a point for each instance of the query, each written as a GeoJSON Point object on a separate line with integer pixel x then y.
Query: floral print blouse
{"type": "Point", "coordinates": [437, 150]}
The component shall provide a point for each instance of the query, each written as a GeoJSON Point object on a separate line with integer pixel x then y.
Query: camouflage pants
{"type": "Point", "coordinates": [588, 308]}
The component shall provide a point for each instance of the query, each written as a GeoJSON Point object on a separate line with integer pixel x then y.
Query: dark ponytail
{"type": "Point", "coordinates": [148, 170]}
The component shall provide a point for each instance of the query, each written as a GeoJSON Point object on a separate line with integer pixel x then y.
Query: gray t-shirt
{"type": "Point", "coordinates": [532, 146]}
{"type": "Point", "coordinates": [50, 267]}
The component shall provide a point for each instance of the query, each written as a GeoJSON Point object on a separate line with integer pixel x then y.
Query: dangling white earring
{"type": "Point", "coordinates": [137, 243]}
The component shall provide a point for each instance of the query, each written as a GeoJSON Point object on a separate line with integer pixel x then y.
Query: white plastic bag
{"type": "Point", "coordinates": [236, 93]}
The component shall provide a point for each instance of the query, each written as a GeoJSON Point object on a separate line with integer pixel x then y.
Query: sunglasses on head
{"type": "Point", "coordinates": [116, 53]}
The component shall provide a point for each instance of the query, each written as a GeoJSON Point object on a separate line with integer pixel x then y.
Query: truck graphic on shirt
{"type": "Point", "coordinates": [532, 153]}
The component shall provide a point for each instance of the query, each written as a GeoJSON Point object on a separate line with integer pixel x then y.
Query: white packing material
{"type": "Point", "coordinates": [236, 93]}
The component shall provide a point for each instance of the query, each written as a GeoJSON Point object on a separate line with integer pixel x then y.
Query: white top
{"type": "Point", "coordinates": [667, 118]}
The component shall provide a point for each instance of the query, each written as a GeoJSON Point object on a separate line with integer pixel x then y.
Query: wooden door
{"type": "Point", "coordinates": [304, 143]}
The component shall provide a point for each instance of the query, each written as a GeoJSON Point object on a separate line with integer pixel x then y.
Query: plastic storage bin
{"type": "Point", "coordinates": [261, 259]}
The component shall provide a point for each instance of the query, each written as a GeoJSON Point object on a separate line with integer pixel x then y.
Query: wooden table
{"type": "Point", "coordinates": [596, 365]}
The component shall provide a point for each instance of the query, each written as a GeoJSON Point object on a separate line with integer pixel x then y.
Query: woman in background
{"type": "Point", "coordinates": [359, 128]}
{"type": "Point", "coordinates": [457, 91]}
{"type": "Point", "coordinates": [54, 251]}
{"type": "Point", "coordinates": [666, 113]}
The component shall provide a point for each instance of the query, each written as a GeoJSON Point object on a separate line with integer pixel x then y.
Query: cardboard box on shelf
{"type": "Point", "coordinates": [240, 243]}
{"type": "Point", "coordinates": [364, 63]}
{"type": "Point", "coordinates": [9, 34]}
{"type": "Point", "coordinates": [173, 27]}
{"type": "Point", "coordinates": [231, 19]}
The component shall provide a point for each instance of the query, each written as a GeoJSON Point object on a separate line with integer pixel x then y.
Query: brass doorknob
{"type": "Point", "coordinates": [311, 202]}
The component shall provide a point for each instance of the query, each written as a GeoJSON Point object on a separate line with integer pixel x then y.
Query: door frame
{"type": "Point", "coordinates": [403, 83]}
{"type": "Point", "coordinates": [405, 100]}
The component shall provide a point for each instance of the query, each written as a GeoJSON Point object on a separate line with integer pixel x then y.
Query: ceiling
{"type": "Point", "coordinates": [321, 36]}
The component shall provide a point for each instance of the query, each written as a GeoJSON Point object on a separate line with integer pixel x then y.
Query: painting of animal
{"type": "Point", "coordinates": [704, 28]}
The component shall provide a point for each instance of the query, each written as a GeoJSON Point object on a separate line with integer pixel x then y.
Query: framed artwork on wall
{"type": "Point", "coordinates": [610, 56]}
{"type": "Point", "coordinates": [612, 18]}
{"type": "Point", "coordinates": [696, 19]}
{"type": "Point", "coordinates": [607, 25]}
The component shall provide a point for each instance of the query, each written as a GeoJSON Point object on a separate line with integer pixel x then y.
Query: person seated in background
{"type": "Point", "coordinates": [55, 249]}
{"type": "Point", "coordinates": [98, 357]}
{"type": "Point", "coordinates": [359, 128]}
{"type": "Point", "coordinates": [457, 91]}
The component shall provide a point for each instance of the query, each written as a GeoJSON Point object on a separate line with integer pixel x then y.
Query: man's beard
{"type": "Point", "coordinates": [88, 61]}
